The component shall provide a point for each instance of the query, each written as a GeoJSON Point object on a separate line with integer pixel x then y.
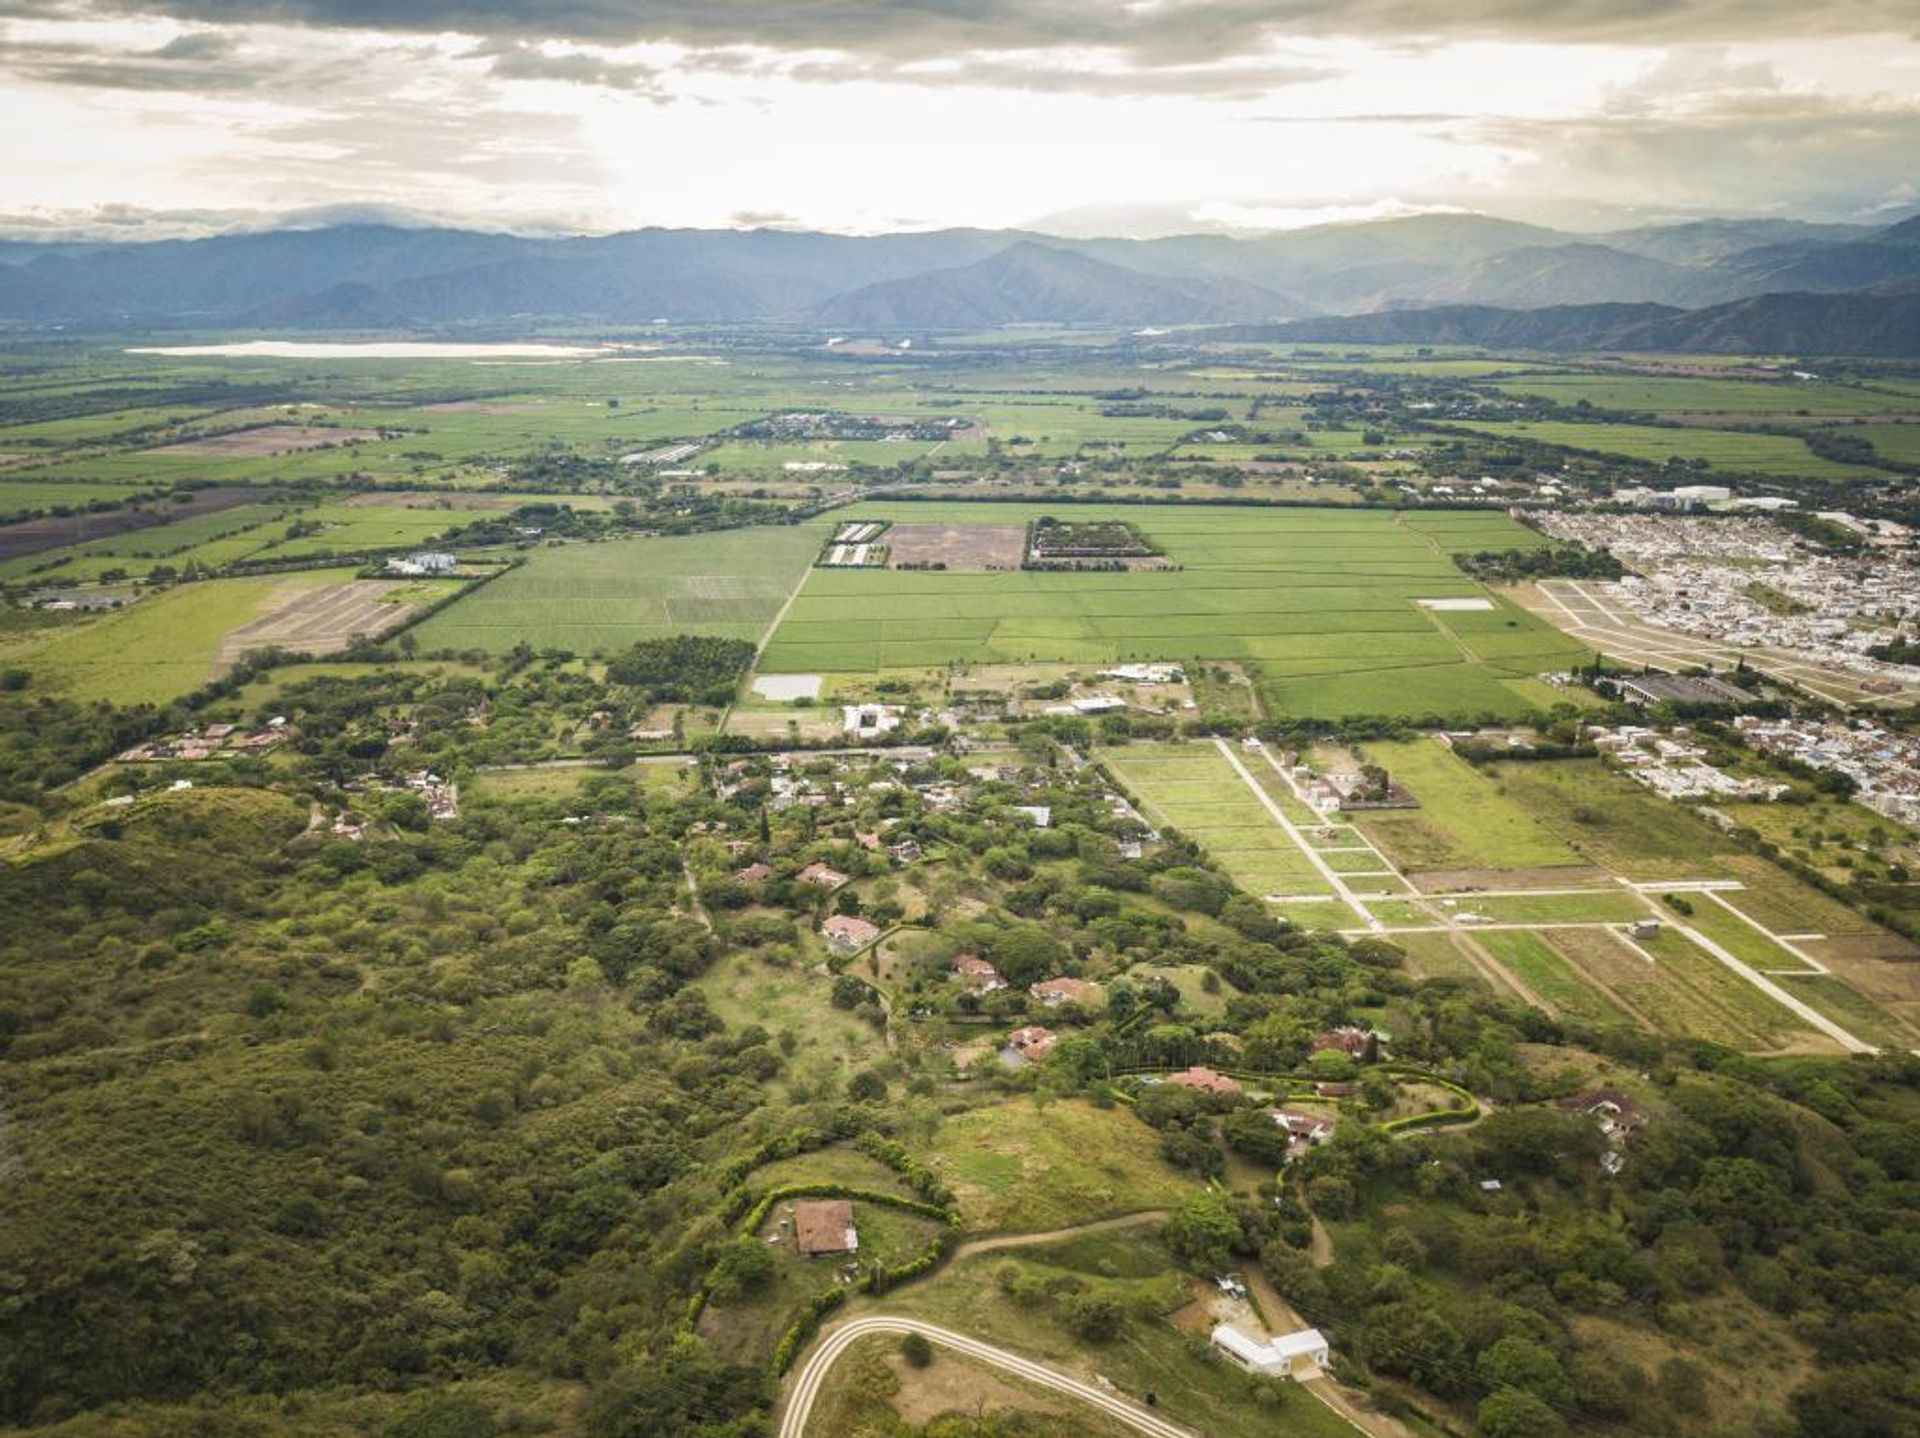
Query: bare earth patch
{"type": "Point", "coordinates": [270, 439]}
{"type": "Point", "coordinates": [951, 1384]}
{"type": "Point", "coordinates": [432, 499]}
{"type": "Point", "coordinates": [321, 621]}
{"type": "Point", "coordinates": [481, 406]}
{"type": "Point", "coordinates": [976, 547]}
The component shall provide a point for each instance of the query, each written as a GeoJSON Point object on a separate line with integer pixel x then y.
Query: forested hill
{"type": "Point", "coordinates": [1882, 325]}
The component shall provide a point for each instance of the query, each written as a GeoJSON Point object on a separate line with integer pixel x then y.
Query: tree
{"type": "Point", "coordinates": [916, 1350]}
{"type": "Point", "coordinates": [1094, 1317]}
{"type": "Point", "coordinates": [1517, 1362]}
{"type": "Point", "coordinates": [1516, 1413]}
{"type": "Point", "coordinates": [1203, 1233]}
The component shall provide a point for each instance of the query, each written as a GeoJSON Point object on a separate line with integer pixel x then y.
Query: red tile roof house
{"type": "Point", "coordinates": [977, 974]}
{"type": "Point", "coordinates": [848, 934]}
{"type": "Point", "coordinates": [1054, 992]}
{"type": "Point", "coordinates": [1611, 1109]}
{"type": "Point", "coordinates": [1204, 1080]}
{"type": "Point", "coordinates": [1303, 1129]}
{"type": "Point", "coordinates": [1032, 1042]}
{"type": "Point", "coordinates": [754, 874]}
{"type": "Point", "coordinates": [823, 1226]}
{"type": "Point", "coordinates": [819, 873]}
{"type": "Point", "coordinates": [1347, 1040]}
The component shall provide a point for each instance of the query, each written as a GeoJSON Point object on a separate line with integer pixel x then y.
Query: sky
{"type": "Point", "coordinates": [153, 118]}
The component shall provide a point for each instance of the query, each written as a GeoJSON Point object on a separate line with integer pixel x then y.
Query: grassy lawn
{"type": "Point", "coordinates": [830, 1042]}
{"type": "Point", "coordinates": [1021, 1167]}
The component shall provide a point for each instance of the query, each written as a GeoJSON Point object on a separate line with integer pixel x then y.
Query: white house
{"type": "Point", "coordinates": [1300, 1355]}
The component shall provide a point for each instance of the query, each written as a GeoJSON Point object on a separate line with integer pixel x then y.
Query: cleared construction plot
{"type": "Point", "coordinates": [265, 441]}
{"type": "Point", "coordinates": [327, 619]}
{"type": "Point", "coordinates": [1464, 821]}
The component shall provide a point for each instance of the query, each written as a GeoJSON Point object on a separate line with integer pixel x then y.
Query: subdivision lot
{"type": "Point", "coordinates": [1465, 820]}
{"type": "Point", "coordinates": [602, 597]}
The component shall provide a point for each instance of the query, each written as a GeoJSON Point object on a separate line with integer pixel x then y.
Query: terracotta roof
{"type": "Point", "coordinates": [850, 930]}
{"type": "Point", "coordinates": [1205, 1080]}
{"type": "Point", "coordinates": [1033, 1041]}
{"type": "Point", "coordinates": [1064, 991]}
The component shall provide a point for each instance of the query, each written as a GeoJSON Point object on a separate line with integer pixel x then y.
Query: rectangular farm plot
{"type": "Point", "coordinates": [1324, 601]}
{"type": "Point", "coordinates": [603, 597]}
{"type": "Point", "coordinates": [964, 547]}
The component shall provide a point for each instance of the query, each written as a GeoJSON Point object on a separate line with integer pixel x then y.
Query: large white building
{"type": "Point", "coordinates": [1300, 1355]}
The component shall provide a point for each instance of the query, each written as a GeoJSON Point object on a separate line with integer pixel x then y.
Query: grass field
{"type": "Point", "coordinates": [1610, 820]}
{"type": "Point", "coordinates": [1322, 601]}
{"type": "Point", "coordinates": [1552, 979]}
{"type": "Point", "coordinates": [1190, 787]}
{"type": "Point", "coordinates": [1778, 456]}
{"type": "Point", "coordinates": [1683, 395]}
{"type": "Point", "coordinates": [1021, 1167]}
{"type": "Point", "coordinates": [602, 597]}
{"type": "Point", "coordinates": [1464, 820]}
{"type": "Point", "coordinates": [162, 647]}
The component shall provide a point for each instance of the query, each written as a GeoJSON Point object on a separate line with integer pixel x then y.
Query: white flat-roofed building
{"type": "Point", "coordinates": [1299, 1355]}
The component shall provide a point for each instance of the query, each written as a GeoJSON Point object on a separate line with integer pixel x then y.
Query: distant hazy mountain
{"type": "Point", "coordinates": [1884, 324]}
{"type": "Point", "coordinates": [374, 276]}
{"type": "Point", "coordinates": [1030, 283]}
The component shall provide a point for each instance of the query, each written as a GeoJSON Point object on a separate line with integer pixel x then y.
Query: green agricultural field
{"type": "Point", "coordinates": [1682, 395]}
{"type": "Point", "coordinates": [162, 647]}
{"type": "Point", "coordinates": [1464, 820]}
{"type": "Point", "coordinates": [597, 598]}
{"type": "Point", "coordinates": [1899, 442]}
{"type": "Point", "coordinates": [1322, 601]}
{"type": "Point", "coordinates": [1777, 456]}
{"type": "Point", "coordinates": [1192, 788]}
{"type": "Point", "coordinates": [23, 497]}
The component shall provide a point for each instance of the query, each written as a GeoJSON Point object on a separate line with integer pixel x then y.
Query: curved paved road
{"type": "Point", "coordinates": [806, 1387]}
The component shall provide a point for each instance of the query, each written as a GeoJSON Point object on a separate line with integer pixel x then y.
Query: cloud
{"type": "Point", "coordinates": [1150, 33]}
{"type": "Point", "coordinates": [201, 61]}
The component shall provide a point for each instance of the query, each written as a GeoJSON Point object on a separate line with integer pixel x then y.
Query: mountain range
{"type": "Point", "coordinates": [1422, 277]}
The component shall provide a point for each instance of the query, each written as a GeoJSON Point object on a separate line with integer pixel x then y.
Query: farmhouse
{"type": "Point", "coordinates": [1055, 992]}
{"type": "Point", "coordinates": [1304, 1130]}
{"type": "Point", "coordinates": [755, 873]}
{"type": "Point", "coordinates": [1299, 1355]}
{"type": "Point", "coordinates": [821, 875]}
{"type": "Point", "coordinates": [1204, 1080]}
{"type": "Point", "coordinates": [977, 974]}
{"type": "Point", "coordinates": [1616, 1114]}
{"type": "Point", "coordinates": [847, 934]}
{"type": "Point", "coordinates": [824, 1226]}
{"type": "Point", "coordinates": [1347, 1039]}
{"type": "Point", "coordinates": [425, 562]}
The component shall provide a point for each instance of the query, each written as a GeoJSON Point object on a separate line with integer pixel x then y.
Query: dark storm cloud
{"type": "Point", "coordinates": [1173, 33]}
